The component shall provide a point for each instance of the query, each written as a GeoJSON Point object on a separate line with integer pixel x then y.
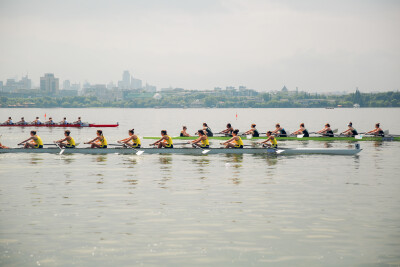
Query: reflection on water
{"type": "Point", "coordinates": [36, 159]}
{"type": "Point", "coordinates": [166, 169]}
{"type": "Point", "coordinates": [67, 159]}
{"type": "Point", "coordinates": [328, 144]}
{"type": "Point", "coordinates": [234, 163]}
{"type": "Point", "coordinates": [202, 165]}
{"type": "Point", "coordinates": [101, 158]}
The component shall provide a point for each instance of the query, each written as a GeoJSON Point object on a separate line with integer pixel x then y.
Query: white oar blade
{"type": "Point", "coordinates": [205, 151]}
{"type": "Point", "coordinates": [279, 151]}
{"type": "Point", "coordinates": [62, 151]}
{"type": "Point", "coordinates": [249, 136]}
{"type": "Point", "coordinates": [358, 136]}
{"type": "Point", "coordinates": [140, 152]}
{"type": "Point", "coordinates": [300, 135]}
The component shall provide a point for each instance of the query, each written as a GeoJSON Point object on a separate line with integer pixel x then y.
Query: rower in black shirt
{"type": "Point", "coordinates": [327, 131]}
{"type": "Point", "coordinates": [302, 131]}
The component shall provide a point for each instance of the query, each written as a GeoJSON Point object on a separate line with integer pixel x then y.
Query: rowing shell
{"type": "Point", "coordinates": [293, 138]}
{"type": "Point", "coordinates": [61, 125]}
{"type": "Point", "coordinates": [190, 151]}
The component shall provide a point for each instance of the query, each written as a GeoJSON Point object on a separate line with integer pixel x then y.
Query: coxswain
{"type": "Point", "coordinates": [9, 121]}
{"type": "Point", "coordinates": [377, 131]}
{"type": "Point", "coordinates": [67, 142]}
{"type": "Point", "coordinates": [183, 132]}
{"type": "Point", "coordinates": [50, 121]}
{"type": "Point", "coordinates": [37, 121]}
{"type": "Point", "coordinates": [253, 131]}
{"type": "Point", "coordinates": [279, 131]}
{"type": "Point", "coordinates": [98, 142]}
{"type": "Point", "coordinates": [22, 121]}
{"type": "Point", "coordinates": [64, 121]}
{"type": "Point", "coordinates": [35, 143]}
{"type": "Point", "coordinates": [228, 131]}
{"type": "Point", "coordinates": [327, 131]}
{"type": "Point", "coordinates": [132, 137]}
{"type": "Point", "coordinates": [207, 130]}
{"type": "Point", "coordinates": [350, 131]}
{"type": "Point", "coordinates": [79, 121]}
{"type": "Point", "coordinates": [271, 139]}
{"type": "Point", "coordinates": [235, 141]}
{"type": "Point", "coordinates": [202, 141]}
{"type": "Point", "coordinates": [302, 131]}
{"type": "Point", "coordinates": [165, 141]}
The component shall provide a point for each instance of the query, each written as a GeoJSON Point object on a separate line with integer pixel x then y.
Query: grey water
{"type": "Point", "coordinates": [209, 210]}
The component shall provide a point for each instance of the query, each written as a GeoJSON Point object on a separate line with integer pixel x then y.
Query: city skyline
{"type": "Point", "coordinates": [324, 47]}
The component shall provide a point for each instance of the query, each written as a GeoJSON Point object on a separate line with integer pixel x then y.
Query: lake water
{"type": "Point", "coordinates": [209, 210]}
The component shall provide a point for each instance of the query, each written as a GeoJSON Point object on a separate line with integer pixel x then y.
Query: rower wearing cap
{"type": "Point", "coordinates": [253, 131]}
{"type": "Point", "coordinates": [228, 131]}
{"type": "Point", "coordinates": [132, 137]}
{"type": "Point", "coordinates": [271, 139]}
{"type": "Point", "coordinates": [99, 142]}
{"type": "Point", "coordinates": [22, 121]}
{"type": "Point", "coordinates": [50, 121]}
{"type": "Point", "coordinates": [183, 132]}
{"type": "Point", "coordinates": [68, 141]}
{"type": "Point", "coordinates": [202, 141]}
{"type": "Point", "coordinates": [235, 141]}
{"type": "Point", "coordinates": [165, 141]}
{"type": "Point", "coordinates": [327, 131]}
{"type": "Point", "coordinates": [377, 131]}
{"type": "Point", "coordinates": [64, 121]}
{"type": "Point", "coordinates": [9, 121]}
{"type": "Point", "coordinates": [279, 131]}
{"type": "Point", "coordinates": [350, 131]}
{"type": "Point", "coordinates": [37, 121]}
{"type": "Point", "coordinates": [302, 131]}
{"type": "Point", "coordinates": [79, 121]}
{"type": "Point", "coordinates": [36, 141]}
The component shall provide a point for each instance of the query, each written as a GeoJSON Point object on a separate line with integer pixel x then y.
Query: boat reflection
{"type": "Point", "coordinates": [202, 166]}
{"type": "Point", "coordinates": [166, 170]}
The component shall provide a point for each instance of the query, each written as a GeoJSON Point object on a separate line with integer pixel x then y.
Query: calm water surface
{"type": "Point", "coordinates": [210, 210]}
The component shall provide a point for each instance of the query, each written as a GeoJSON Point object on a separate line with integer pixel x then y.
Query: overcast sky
{"type": "Point", "coordinates": [313, 44]}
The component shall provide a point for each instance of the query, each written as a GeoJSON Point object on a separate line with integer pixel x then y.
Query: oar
{"type": "Point", "coordinates": [205, 151]}
{"type": "Point", "coordinates": [62, 149]}
{"type": "Point", "coordinates": [138, 152]}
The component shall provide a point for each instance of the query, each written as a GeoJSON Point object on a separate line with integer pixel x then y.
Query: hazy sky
{"type": "Point", "coordinates": [316, 45]}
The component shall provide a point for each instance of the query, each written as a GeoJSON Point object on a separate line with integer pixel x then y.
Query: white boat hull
{"type": "Point", "coordinates": [190, 151]}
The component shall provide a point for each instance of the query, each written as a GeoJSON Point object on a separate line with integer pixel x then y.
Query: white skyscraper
{"type": "Point", "coordinates": [49, 84]}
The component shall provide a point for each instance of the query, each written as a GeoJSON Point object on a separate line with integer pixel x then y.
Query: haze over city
{"type": "Point", "coordinates": [314, 45]}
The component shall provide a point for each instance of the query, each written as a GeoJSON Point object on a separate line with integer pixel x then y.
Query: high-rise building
{"type": "Point", "coordinates": [126, 80]}
{"type": "Point", "coordinates": [25, 83]}
{"type": "Point", "coordinates": [66, 85]}
{"type": "Point", "coordinates": [49, 84]}
{"type": "Point", "coordinates": [136, 83]}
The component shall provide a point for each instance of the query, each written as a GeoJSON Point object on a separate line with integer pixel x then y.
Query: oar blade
{"type": "Point", "coordinates": [279, 151]}
{"type": "Point", "coordinates": [300, 135]}
{"type": "Point", "coordinates": [359, 136]}
{"type": "Point", "coordinates": [62, 151]}
{"type": "Point", "coordinates": [140, 152]}
{"type": "Point", "coordinates": [249, 136]}
{"type": "Point", "coordinates": [205, 151]}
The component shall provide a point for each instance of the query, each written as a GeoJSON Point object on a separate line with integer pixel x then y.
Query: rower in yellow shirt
{"type": "Point", "coordinates": [235, 141]}
{"type": "Point", "coordinates": [35, 143]}
{"type": "Point", "coordinates": [132, 137]}
{"type": "Point", "coordinates": [202, 141]}
{"type": "Point", "coordinates": [68, 141]}
{"type": "Point", "coordinates": [165, 141]}
{"type": "Point", "coordinates": [99, 142]}
{"type": "Point", "coordinates": [271, 139]}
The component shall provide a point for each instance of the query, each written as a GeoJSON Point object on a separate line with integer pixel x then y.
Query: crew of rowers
{"type": "Point", "coordinates": [133, 141]}
{"type": "Point", "coordinates": [37, 121]}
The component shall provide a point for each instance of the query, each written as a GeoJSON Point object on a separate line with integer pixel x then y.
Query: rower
{"type": "Point", "coordinates": [302, 131]}
{"type": "Point", "coordinates": [183, 132]}
{"type": "Point", "coordinates": [207, 130]}
{"type": "Point", "coordinates": [36, 141]}
{"type": "Point", "coordinates": [50, 121]}
{"type": "Point", "coordinates": [279, 131]}
{"type": "Point", "coordinates": [165, 141]}
{"type": "Point", "coordinates": [101, 140]}
{"type": "Point", "coordinates": [9, 121]}
{"type": "Point", "coordinates": [271, 139]}
{"type": "Point", "coordinates": [37, 121]}
{"type": "Point", "coordinates": [68, 141]}
{"type": "Point", "coordinates": [79, 121]}
{"type": "Point", "coordinates": [22, 121]}
{"type": "Point", "coordinates": [377, 131]}
{"type": "Point", "coordinates": [132, 137]}
{"type": "Point", "coordinates": [202, 141]}
{"type": "Point", "coordinates": [253, 131]}
{"type": "Point", "coordinates": [64, 121]}
{"type": "Point", "coordinates": [228, 131]}
{"type": "Point", "coordinates": [235, 141]}
{"type": "Point", "coordinates": [3, 146]}
{"type": "Point", "coordinates": [327, 131]}
{"type": "Point", "coordinates": [350, 131]}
